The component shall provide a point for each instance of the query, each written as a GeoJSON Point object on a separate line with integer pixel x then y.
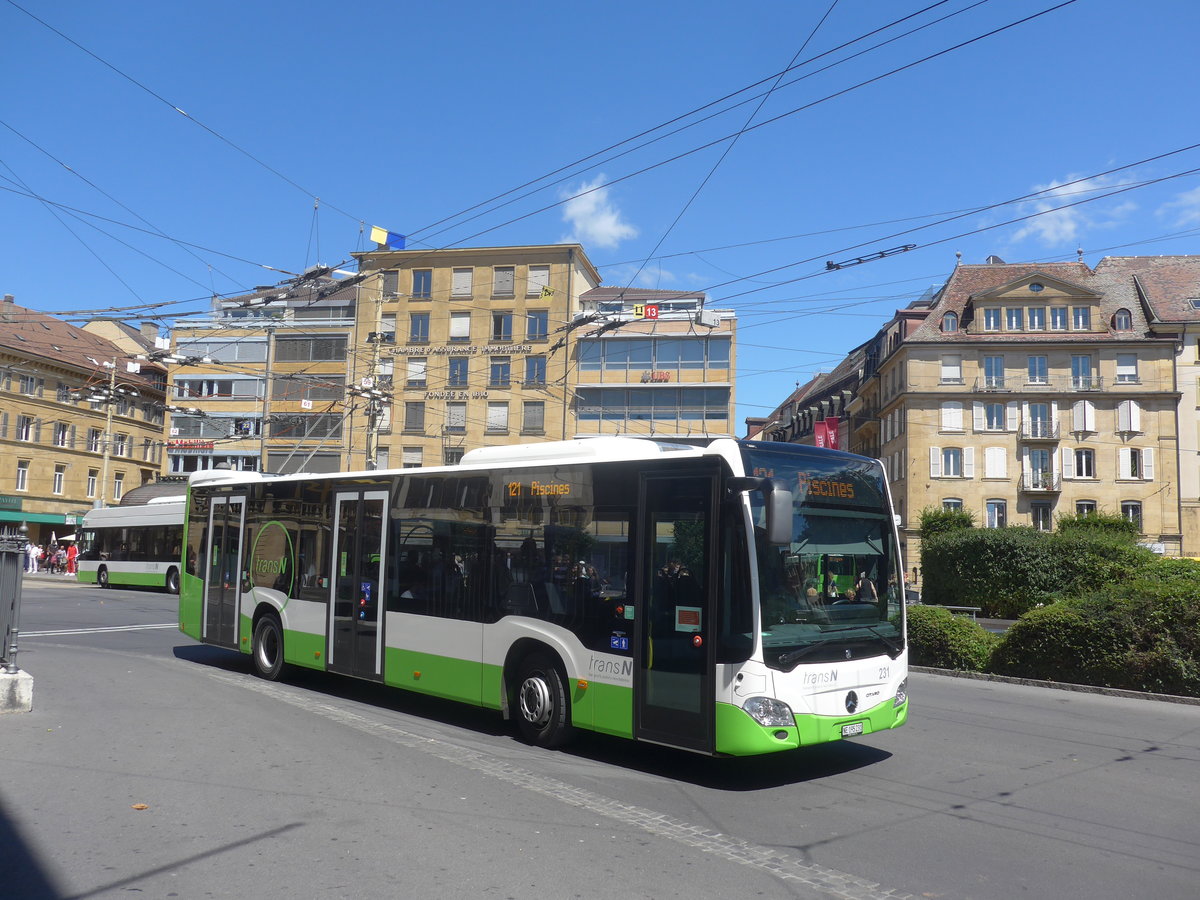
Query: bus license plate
{"type": "Point", "coordinates": [852, 729]}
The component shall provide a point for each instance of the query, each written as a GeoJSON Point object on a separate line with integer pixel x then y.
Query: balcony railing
{"type": "Point", "coordinates": [992, 383]}
{"type": "Point", "coordinates": [1039, 430]}
{"type": "Point", "coordinates": [1040, 482]}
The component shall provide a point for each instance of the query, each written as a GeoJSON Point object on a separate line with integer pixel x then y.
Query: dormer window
{"type": "Point", "coordinates": [1122, 320]}
{"type": "Point", "coordinates": [1081, 318]}
{"type": "Point", "coordinates": [991, 319]}
{"type": "Point", "coordinates": [950, 322]}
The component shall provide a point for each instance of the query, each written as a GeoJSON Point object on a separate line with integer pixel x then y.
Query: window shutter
{"type": "Point", "coordinates": [71, 439]}
{"type": "Point", "coordinates": [460, 325]}
{"type": "Point", "coordinates": [968, 462]}
{"type": "Point", "coordinates": [1012, 415]}
{"type": "Point", "coordinates": [503, 285]}
{"type": "Point", "coordinates": [539, 277]}
{"type": "Point", "coordinates": [952, 415]}
{"type": "Point", "coordinates": [1124, 468]}
{"type": "Point", "coordinates": [1135, 416]}
{"type": "Point", "coordinates": [1148, 464]}
{"type": "Point", "coordinates": [1068, 462]}
{"type": "Point", "coordinates": [935, 462]}
{"type": "Point", "coordinates": [1025, 469]}
{"type": "Point", "coordinates": [1025, 411]}
{"type": "Point", "coordinates": [461, 282]}
{"type": "Point", "coordinates": [1053, 414]}
{"type": "Point", "coordinates": [977, 415]}
{"type": "Point", "coordinates": [37, 431]}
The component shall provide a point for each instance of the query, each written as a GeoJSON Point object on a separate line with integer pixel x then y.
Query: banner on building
{"type": "Point", "coordinates": [831, 432]}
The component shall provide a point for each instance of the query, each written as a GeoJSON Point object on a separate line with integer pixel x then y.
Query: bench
{"type": "Point", "coordinates": [971, 611]}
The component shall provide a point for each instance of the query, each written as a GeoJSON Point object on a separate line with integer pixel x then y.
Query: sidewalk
{"type": "Point", "coordinates": [52, 578]}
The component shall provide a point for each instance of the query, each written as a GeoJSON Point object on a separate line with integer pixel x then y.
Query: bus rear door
{"type": "Point", "coordinates": [356, 589]}
{"type": "Point", "coordinates": [223, 574]}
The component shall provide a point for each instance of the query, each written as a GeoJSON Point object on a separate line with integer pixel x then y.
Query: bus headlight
{"type": "Point", "coordinates": [901, 694]}
{"type": "Point", "coordinates": [770, 713]}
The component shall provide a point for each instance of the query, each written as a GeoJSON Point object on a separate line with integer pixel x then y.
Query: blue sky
{"type": "Point", "coordinates": [404, 116]}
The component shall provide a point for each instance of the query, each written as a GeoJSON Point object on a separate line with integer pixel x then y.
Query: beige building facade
{"type": "Point", "coordinates": [80, 422]}
{"type": "Point", "coordinates": [1028, 392]}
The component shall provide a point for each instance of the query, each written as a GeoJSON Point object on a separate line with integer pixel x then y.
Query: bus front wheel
{"type": "Point", "coordinates": [102, 576]}
{"type": "Point", "coordinates": [267, 654]}
{"type": "Point", "coordinates": [541, 707]}
{"type": "Point", "coordinates": [172, 580]}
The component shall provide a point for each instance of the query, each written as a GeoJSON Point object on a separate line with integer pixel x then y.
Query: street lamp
{"type": "Point", "coordinates": [109, 395]}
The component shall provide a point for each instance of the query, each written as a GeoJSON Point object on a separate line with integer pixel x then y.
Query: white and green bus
{"type": "Point", "coordinates": [662, 591]}
{"type": "Point", "coordinates": [133, 545]}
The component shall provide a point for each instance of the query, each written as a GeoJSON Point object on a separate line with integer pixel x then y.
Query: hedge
{"type": "Point", "coordinates": [938, 638]}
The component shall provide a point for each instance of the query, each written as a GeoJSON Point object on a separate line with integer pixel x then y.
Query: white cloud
{"type": "Point", "coordinates": [594, 220]}
{"type": "Point", "coordinates": [1184, 209]}
{"type": "Point", "coordinates": [1056, 226]}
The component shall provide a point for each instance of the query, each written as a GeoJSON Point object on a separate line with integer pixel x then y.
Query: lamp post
{"type": "Point", "coordinates": [108, 395]}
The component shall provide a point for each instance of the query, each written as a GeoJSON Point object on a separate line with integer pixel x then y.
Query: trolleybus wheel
{"type": "Point", "coordinates": [541, 707]}
{"type": "Point", "coordinates": [102, 576]}
{"type": "Point", "coordinates": [172, 580]}
{"type": "Point", "coordinates": [267, 654]}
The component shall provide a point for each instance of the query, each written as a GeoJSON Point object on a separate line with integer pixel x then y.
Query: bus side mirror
{"type": "Point", "coordinates": [778, 505]}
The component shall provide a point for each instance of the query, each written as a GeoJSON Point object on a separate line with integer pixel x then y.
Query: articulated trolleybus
{"type": "Point", "coordinates": [666, 592]}
{"type": "Point", "coordinates": [133, 545]}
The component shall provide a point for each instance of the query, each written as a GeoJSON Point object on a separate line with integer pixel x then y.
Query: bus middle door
{"type": "Point", "coordinates": [356, 589]}
{"type": "Point", "coordinates": [223, 574]}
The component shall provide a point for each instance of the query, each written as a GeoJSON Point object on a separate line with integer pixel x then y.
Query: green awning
{"type": "Point", "coordinates": [49, 518]}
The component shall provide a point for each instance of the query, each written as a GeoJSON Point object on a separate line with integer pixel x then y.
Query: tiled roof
{"type": "Point", "coordinates": [27, 332]}
{"type": "Point", "coordinates": [1169, 284]}
{"type": "Point", "coordinates": [1111, 280]}
{"type": "Point", "coordinates": [635, 293]}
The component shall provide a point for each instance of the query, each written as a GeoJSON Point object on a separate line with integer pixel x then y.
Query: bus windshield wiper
{"type": "Point", "coordinates": [799, 653]}
{"type": "Point", "coordinates": [786, 659]}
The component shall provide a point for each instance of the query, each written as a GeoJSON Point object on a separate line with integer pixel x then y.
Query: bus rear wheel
{"type": "Point", "coordinates": [267, 653]}
{"type": "Point", "coordinates": [542, 708]}
{"type": "Point", "coordinates": [102, 576]}
{"type": "Point", "coordinates": [172, 580]}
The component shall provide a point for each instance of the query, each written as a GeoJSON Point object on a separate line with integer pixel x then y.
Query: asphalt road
{"type": "Point", "coordinates": [323, 786]}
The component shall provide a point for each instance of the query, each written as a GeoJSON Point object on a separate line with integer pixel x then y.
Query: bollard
{"type": "Point", "coordinates": [12, 568]}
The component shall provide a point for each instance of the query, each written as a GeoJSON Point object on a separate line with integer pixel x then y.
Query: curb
{"type": "Point", "coordinates": [1059, 685]}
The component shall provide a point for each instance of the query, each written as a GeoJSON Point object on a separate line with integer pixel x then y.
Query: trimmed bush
{"type": "Point", "coordinates": [940, 639]}
{"type": "Point", "coordinates": [935, 520]}
{"type": "Point", "coordinates": [1099, 523]}
{"type": "Point", "coordinates": [1142, 635]}
{"type": "Point", "coordinates": [1009, 571]}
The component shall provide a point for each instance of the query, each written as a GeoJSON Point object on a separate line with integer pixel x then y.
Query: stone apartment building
{"type": "Point", "coordinates": [1026, 391]}
{"type": "Point", "coordinates": [79, 427]}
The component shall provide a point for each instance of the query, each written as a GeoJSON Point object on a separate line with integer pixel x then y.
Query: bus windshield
{"type": "Point", "coordinates": [834, 591]}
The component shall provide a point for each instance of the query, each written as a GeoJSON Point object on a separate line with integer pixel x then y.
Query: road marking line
{"type": "Point", "coordinates": [97, 630]}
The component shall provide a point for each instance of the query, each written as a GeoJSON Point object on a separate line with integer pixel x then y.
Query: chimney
{"type": "Point", "coordinates": [150, 331]}
{"type": "Point", "coordinates": [9, 298]}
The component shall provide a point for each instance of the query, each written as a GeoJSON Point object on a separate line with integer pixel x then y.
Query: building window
{"type": "Point", "coordinates": [1058, 318]}
{"type": "Point", "coordinates": [456, 417]}
{"type": "Point", "coordinates": [952, 503]}
{"type": "Point", "coordinates": [459, 369]}
{"type": "Point", "coordinates": [991, 319]}
{"type": "Point", "coordinates": [537, 325]}
{"type": "Point", "coordinates": [1085, 463]}
{"type": "Point", "coordinates": [995, 462]}
{"type": "Point", "coordinates": [503, 279]}
{"type": "Point", "coordinates": [994, 417]}
{"type": "Point", "coordinates": [533, 418]}
{"type": "Point", "coordinates": [462, 283]}
{"type": "Point", "coordinates": [1081, 373]}
{"type": "Point", "coordinates": [535, 370]}
{"type": "Point", "coordinates": [460, 326]}
{"type": "Point", "coordinates": [22, 474]}
{"type": "Point", "coordinates": [952, 462]}
{"type": "Point", "coordinates": [1135, 463]}
{"type": "Point", "coordinates": [452, 456]}
{"type": "Point", "coordinates": [93, 444]}
{"type": "Point", "coordinates": [497, 417]}
{"type": "Point", "coordinates": [500, 373]}
{"type": "Point", "coordinates": [952, 416]}
{"type": "Point", "coordinates": [410, 458]}
{"type": "Point", "coordinates": [1085, 507]}
{"type": "Point", "coordinates": [417, 367]}
{"type": "Point", "coordinates": [1081, 318]}
{"type": "Point", "coordinates": [1122, 320]}
{"type": "Point", "coordinates": [422, 284]}
{"type": "Point", "coordinates": [418, 328]}
{"type": "Point", "coordinates": [1129, 417]}
{"type": "Point", "coordinates": [1015, 318]}
{"type": "Point", "coordinates": [1037, 318]}
{"type": "Point", "coordinates": [502, 327]}
{"type": "Point", "coordinates": [331, 348]}
{"type": "Point", "coordinates": [60, 477]}
{"type": "Point", "coordinates": [1132, 510]}
{"type": "Point", "coordinates": [951, 371]}
{"type": "Point", "coordinates": [538, 281]}
{"type": "Point", "coordinates": [1127, 368]}
{"type": "Point", "coordinates": [950, 322]}
{"type": "Point", "coordinates": [414, 416]}
{"type": "Point", "coordinates": [1040, 424]}
{"type": "Point", "coordinates": [62, 433]}
{"type": "Point", "coordinates": [993, 371]}
{"type": "Point", "coordinates": [391, 284]}
{"type": "Point", "coordinates": [121, 445]}
{"type": "Point", "coordinates": [1038, 372]}
{"type": "Point", "coordinates": [997, 513]}
{"type": "Point", "coordinates": [118, 486]}
{"type": "Point", "coordinates": [1041, 513]}
{"type": "Point", "coordinates": [92, 476]}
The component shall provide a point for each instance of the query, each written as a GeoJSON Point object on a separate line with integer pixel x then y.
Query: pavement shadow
{"type": "Point", "coordinates": [20, 867]}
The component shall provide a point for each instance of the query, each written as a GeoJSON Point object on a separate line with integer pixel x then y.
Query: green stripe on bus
{"type": "Point", "coordinates": [438, 676]}
{"type": "Point", "coordinates": [739, 735]}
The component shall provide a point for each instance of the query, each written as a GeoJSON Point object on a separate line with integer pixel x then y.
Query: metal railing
{"type": "Point", "coordinates": [1039, 430]}
{"type": "Point", "coordinates": [1040, 482]}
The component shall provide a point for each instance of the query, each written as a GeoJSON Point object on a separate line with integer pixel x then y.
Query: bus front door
{"type": "Point", "coordinates": [674, 662]}
{"type": "Point", "coordinates": [356, 590]}
{"type": "Point", "coordinates": [223, 574]}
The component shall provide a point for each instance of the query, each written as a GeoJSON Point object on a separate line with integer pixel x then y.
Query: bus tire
{"type": "Point", "coordinates": [172, 584]}
{"type": "Point", "coordinates": [102, 576]}
{"type": "Point", "coordinates": [542, 708]}
{"type": "Point", "coordinates": [267, 652]}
